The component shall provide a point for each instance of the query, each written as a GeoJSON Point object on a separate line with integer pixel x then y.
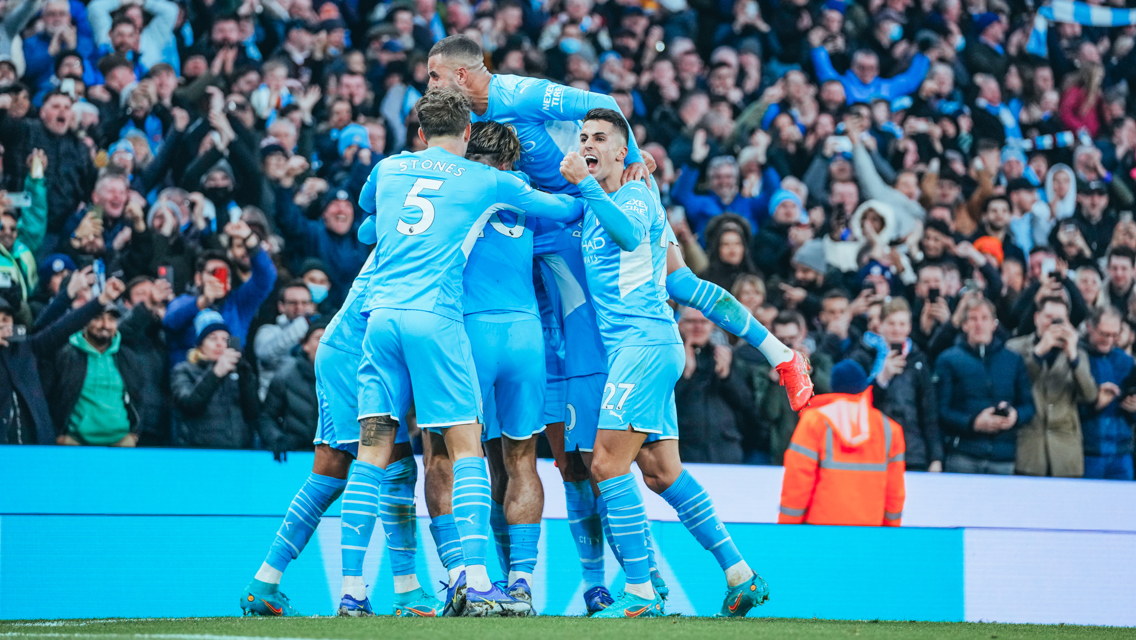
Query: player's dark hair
{"type": "Point", "coordinates": [442, 112]}
{"type": "Point", "coordinates": [494, 142]}
{"type": "Point", "coordinates": [614, 117]}
{"type": "Point", "coordinates": [458, 47]}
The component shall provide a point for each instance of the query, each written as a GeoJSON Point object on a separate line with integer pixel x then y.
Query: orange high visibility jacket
{"type": "Point", "coordinates": [844, 465]}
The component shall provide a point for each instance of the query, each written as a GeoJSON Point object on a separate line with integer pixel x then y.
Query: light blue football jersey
{"type": "Point", "coordinates": [498, 273]}
{"type": "Point", "coordinates": [546, 118]}
{"type": "Point", "coordinates": [348, 326]}
{"type": "Point", "coordinates": [430, 207]}
{"type": "Point", "coordinates": [629, 287]}
{"type": "Point", "coordinates": [584, 352]}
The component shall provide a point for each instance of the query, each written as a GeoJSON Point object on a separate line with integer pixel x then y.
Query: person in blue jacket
{"type": "Point", "coordinates": [862, 81]}
{"type": "Point", "coordinates": [217, 288]}
{"type": "Point", "coordinates": [1106, 425]}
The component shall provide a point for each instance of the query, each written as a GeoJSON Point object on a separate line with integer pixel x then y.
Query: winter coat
{"type": "Point", "coordinates": [290, 414]}
{"type": "Point", "coordinates": [1108, 431]}
{"type": "Point", "coordinates": [25, 417]}
{"type": "Point", "coordinates": [909, 399]}
{"type": "Point", "coordinates": [142, 333]}
{"type": "Point", "coordinates": [713, 412]}
{"type": "Point", "coordinates": [70, 373]}
{"type": "Point", "coordinates": [972, 379]}
{"type": "Point", "coordinates": [212, 412]}
{"type": "Point", "coordinates": [1050, 444]}
{"type": "Point", "coordinates": [343, 255]}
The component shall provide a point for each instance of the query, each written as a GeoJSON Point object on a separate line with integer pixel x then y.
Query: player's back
{"type": "Point", "coordinates": [628, 288]}
{"type": "Point", "coordinates": [430, 207]}
{"type": "Point", "coordinates": [584, 352]}
{"type": "Point", "coordinates": [529, 106]}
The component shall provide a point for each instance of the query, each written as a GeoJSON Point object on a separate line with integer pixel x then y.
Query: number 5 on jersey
{"type": "Point", "coordinates": [427, 207]}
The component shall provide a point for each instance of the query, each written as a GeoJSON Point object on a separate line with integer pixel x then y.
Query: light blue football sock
{"type": "Point", "coordinates": [360, 510]}
{"type": "Point", "coordinates": [696, 511]}
{"type": "Point", "coordinates": [523, 540]}
{"type": "Point", "coordinates": [500, 527]}
{"type": "Point", "coordinates": [716, 304]}
{"type": "Point", "coordinates": [303, 516]}
{"type": "Point", "coordinates": [627, 519]}
{"type": "Point", "coordinates": [396, 509]}
{"type": "Point", "coordinates": [472, 500]}
{"type": "Point", "coordinates": [445, 533]}
{"type": "Point", "coordinates": [587, 530]}
{"type": "Point", "coordinates": [601, 507]}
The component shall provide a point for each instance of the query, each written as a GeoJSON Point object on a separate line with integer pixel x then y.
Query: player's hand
{"type": "Point", "coordinates": [648, 160]}
{"type": "Point", "coordinates": [635, 171]}
{"type": "Point", "coordinates": [573, 168]}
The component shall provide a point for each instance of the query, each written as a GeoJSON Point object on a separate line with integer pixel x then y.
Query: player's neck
{"type": "Point", "coordinates": [456, 146]}
{"type": "Point", "coordinates": [611, 183]}
{"type": "Point", "coordinates": [479, 92]}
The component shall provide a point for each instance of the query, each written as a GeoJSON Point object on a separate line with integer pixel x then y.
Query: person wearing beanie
{"type": "Point", "coordinates": [214, 391]}
{"type": "Point", "coordinates": [845, 464]}
{"type": "Point", "coordinates": [810, 280]}
{"type": "Point", "coordinates": [772, 248]}
{"type": "Point", "coordinates": [984, 52]}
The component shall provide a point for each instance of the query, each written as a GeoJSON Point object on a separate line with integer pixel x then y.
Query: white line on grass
{"type": "Point", "coordinates": [156, 636]}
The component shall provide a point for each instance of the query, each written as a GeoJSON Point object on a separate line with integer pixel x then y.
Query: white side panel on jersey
{"type": "Point", "coordinates": [478, 227]}
{"type": "Point", "coordinates": [635, 267]}
{"type": "Point", "coordinates": [565, 134]}
{"type": "Point", "coordinates": [571, 291]}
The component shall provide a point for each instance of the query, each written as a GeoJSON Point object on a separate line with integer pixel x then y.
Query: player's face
{"type": "Point", "coordinates": [603, 148]}
{"type": "Point", "coordinates": [443, 74]}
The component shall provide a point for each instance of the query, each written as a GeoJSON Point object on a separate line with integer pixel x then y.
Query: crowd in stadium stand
{"type": "Point", "coordinates": [938, 190]}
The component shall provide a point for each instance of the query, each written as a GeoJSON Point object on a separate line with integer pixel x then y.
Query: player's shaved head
{"type": "Point", "coordinates": [460, 49]}
{"type": "Point", "coordinates": [443, 113]}
{"type": "Point", "coordinates": [494, 144]}
{"type": "Point", "coordinates": [618, 124]}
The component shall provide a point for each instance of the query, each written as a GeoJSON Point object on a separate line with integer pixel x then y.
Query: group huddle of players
{"type": "Point", "coordinates": [450, 324]}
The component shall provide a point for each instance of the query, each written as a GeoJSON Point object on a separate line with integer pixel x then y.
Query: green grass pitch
{"type": "Point", "coordinates": [541, 628]}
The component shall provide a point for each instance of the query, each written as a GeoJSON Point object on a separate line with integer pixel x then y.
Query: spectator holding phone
{"type": "Point", "coordinates": [1050, 444]}
{"type": "Point", "coordinates": [214, 390]}
{"type": "Point", "coordinates": [984, 395]}
{"type": "Point", "coordinates": [214, 280]}
{"type": "Point", "coordinates": [1107, 423]}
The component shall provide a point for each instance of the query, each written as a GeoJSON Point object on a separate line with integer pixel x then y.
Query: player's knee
{"type": "Point", "coordinates": [331, 462]}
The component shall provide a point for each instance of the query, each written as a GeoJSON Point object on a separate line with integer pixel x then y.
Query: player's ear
{"type": "Point", "coordinates": [468, 132]}
{"type": "Point", "coordinates": [422, 137]}
{"type": "Point", "coordinates": [622, 154]}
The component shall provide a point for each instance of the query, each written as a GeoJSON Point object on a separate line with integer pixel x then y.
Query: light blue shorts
{"type": "Point", "coordinates": [583, 411]}
{"type": "Point", "coordinates": [640, 391]}
{"type": "Point", "coordinates": [508, 350]}
{"type": "Point", "coordinates": [420, 357]}
{"type": "Point", "coordinates": [337, 392]}
{"type": "Point", "coordinates": [555, 387]}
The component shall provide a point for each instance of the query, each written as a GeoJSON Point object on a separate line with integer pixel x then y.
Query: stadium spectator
{"type": "Point", "coordinates": [856, 482]}
{"type": "Point", "coordinates": [142, 334]}
{"type": "Point", "coordinates": [1106, 424]}
{"type": "Point", "coordinates": [274, 342]}
{"type": "Point", "coordinates": [902, 386]}
{"type": "Point", "coordinates": [716, 405]}
{"type": "Point", "coordinates": [97, 385]}
{"type": "Point", "coordinates": [1050, 444]}
{"type": "Point", "coordinates": [218, 288]}
{"type": "Point", "coordinates": [984, 396]}
{"type": "Point", "coordinates": [728, 246]}
{"type": "Point", "coordinates": [214, 390]}
{"type": "Point", "coordinates": [290, 413]}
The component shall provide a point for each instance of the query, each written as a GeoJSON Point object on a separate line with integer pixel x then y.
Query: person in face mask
{"type": "Point", "coordinates": [314, 274]}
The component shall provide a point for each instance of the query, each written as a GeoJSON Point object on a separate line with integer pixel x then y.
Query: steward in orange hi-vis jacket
{"type": "Point", "coordinates": [845, 464]}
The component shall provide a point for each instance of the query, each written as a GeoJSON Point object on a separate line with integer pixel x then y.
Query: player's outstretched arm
{"type": "Point", "coordinates": [550, 206]}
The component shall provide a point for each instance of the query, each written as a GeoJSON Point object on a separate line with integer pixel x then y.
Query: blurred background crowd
{"type": "Point", "coordinates": [938, 190]}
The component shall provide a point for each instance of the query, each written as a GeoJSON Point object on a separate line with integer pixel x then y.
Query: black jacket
{"type": "Point", "coordinates": [69, 374]}
{"type": "Point", "coordinates": [290, 414]}
{"type": "Point", "coordinates": [909, 399]}
{"type": "Point", "coordinates": [70, 171]}
{"type": "Point", "coordinates": [212, 412]}
{"type": "Point", "coordinates": [142, 334]}
{"type": "Point", "coordinates": [972, 379]}
{"type": "Point", "coordinates": [24, 414]}
{"type": "Point", "coordinates": [712, 412]}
